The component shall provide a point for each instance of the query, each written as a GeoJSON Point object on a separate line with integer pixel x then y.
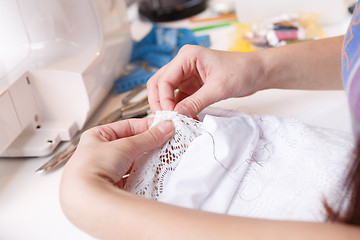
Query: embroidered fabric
{"type": "Point", "coordinates": [308, 165]}
{"type": "Point", "coordinates": [255, 166]}
{"type": "Point", "coordinates": [150, 173]}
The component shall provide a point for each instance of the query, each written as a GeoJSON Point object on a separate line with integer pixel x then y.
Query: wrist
{"type": "Point", "coordinates": [255, 78]}
{"type": "Point", "coordinates": [269, 73]}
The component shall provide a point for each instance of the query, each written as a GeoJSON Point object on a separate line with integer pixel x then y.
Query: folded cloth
{"type": "Point", "coordinates": [253, 166]}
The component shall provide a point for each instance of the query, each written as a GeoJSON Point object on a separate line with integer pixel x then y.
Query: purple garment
{"type": "Point", "coordinates": [351, 69]}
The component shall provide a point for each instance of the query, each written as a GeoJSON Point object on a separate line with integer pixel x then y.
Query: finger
{"type": "Point", "coordinates": [176, 72]}
{"type": "Point", "coordinates": [117, 130]}
{"type": "Point", "coordinates": [169, 78]}
{"type": "Point", "coordinates": [195, 103]}
{"type": "Point", "coordinates": [167, 95]}
{"type": "Point", "coordinates": [148, 140]}
{"type": "Point", "coordinates": [169, 82]}
{"type": "Point", "coordinates": [180, 95]}
{"type": "Point", "coordinates": [122, 152]}
{"type": "Point", "coordinates": [153, 91]}
{"type": "Point", "coordinates": [153, 98]}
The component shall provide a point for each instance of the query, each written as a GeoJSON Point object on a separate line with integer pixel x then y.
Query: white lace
{"type": "Point", "coordinates": [250, 166]}
{"type": "Point", "coordinates": [151, 171]}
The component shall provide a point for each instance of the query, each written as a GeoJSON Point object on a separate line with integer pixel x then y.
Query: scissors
{"type": "Point", "coordinates": [129, 109]}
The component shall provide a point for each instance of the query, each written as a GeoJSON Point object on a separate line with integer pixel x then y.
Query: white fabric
{"type": "Point", "coordinates": [254, 166]}
{"type": "Point", "coordinates": [151, 172]}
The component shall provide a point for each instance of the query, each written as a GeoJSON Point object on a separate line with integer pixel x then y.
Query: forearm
{"type": "Point", "coordinates": [115, 214]}
{"type": "Point", "coordinates": [312, 65]}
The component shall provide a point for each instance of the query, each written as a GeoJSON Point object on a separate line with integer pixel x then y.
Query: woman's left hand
{"type": "Point", "coordinates": [110, 150]}
{"type": "Point", "coordinates": [104, 154]}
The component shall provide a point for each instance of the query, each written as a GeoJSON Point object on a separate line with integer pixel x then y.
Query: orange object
{"type": "Point", "coordinates": [216, 18]}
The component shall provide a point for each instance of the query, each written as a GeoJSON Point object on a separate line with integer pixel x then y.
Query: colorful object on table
{"type": "Point", "coordinates": [237, 41]}
{"type": "Point", "coordinates": [225, 24]}
{"type": "Point", "coordinates": [278, 31]}
{"type": "Point", "coordinates": [137, 77]}
{"type": "Point", "coordinates": [231, 16]}
{"type": "Point", "coordinates": [162, 44]}
{"type": "Point", "coordinates": [157, 49]}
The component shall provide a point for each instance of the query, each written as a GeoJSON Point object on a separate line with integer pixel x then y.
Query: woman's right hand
{"type": "Point", "coordinates": [202, 77]}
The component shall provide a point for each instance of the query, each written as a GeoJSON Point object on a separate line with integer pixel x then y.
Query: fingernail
{"type": "Point", "coordinates": [184, 111]}
{"type": "Point", "coordinates": [166, 126]}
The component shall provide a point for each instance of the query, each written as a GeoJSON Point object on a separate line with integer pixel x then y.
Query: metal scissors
{"type": "Point", "coordinates": [129, 109]}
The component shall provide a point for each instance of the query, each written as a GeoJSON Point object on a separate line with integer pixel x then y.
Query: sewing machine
{"type": "Point", "coordinates": [58, 61]}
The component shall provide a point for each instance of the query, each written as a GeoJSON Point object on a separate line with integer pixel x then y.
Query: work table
{"type": "Point", "coordinates": [29, 201]}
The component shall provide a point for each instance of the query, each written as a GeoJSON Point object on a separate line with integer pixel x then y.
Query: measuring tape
{"type": "Point", "coordinates": [157, 49]}
{"type": "Point", "coordinates": [137, 77]}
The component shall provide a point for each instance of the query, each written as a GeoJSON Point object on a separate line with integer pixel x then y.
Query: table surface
{"type": "Point", "coordinates": [29, 201]}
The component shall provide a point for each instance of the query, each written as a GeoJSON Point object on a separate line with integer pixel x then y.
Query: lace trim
{"type": "Point", "coordinates": [151, 171]}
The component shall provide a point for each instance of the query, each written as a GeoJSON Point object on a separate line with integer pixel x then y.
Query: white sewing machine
{"type": "Point", "coordinates": [58, 61]}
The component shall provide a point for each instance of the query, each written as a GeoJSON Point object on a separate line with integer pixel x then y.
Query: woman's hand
{"type": "Point", "coordinates": [94, 172]}
{"type": "Point", "coordinates": [202, 77]}
{"type": "Point", "coordinates": [109, 150]}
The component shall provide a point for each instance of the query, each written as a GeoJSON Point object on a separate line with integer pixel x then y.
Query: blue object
{"type": "Point", "coordinates": [135, 78]}
{"type": "Point", "coordinates": [157, 49]}
{"type": "Point", "coordinates": [165, 41]}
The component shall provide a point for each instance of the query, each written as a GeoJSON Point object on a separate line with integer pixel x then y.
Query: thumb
{"type": "Point", "coordinates": [195, 103]}
{"type": "Point", "coordinates": [152, 138]}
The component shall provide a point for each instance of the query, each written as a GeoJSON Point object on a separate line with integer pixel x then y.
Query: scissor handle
{"type": "Point", "coordinates": [127, 105]}
{"type": "Point", "coordinates": [136, 90]}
